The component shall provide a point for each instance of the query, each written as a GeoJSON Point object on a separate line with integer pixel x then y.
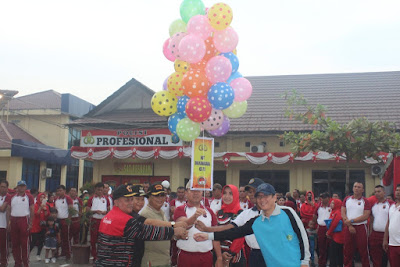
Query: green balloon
{"type": "Point", "coordinates": [177, 26]}
{"type": "Point", "coordinates": [188, 130]}
{"type": "Point", "coordinates": [236, 110]}
{"type": "Point", "coordinates": [190, 8]}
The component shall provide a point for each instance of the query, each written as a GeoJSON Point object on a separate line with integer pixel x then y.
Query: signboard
{"type": "Point", "coordinates": [202, 164]}
{"type": "Point", "coordinates": [127, 138]}
{"type": "Point", "coordinates": [140, 169]}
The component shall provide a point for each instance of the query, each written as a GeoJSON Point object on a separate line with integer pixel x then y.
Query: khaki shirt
{"type": "Point", "coordinates": [155, 252]}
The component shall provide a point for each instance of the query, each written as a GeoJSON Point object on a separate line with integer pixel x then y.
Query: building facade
{"type": "Point", "coordinates": [252, 147]}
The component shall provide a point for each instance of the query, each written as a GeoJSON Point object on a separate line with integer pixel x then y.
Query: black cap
{"type": "Point", "coordinates": [138, 190]}
{"type": "Point", "coordinates": [254, 182]}
{"type": "Point", "coordinates": [266, 189]}
{"type": "Point", "coordinates": [123, 191]}
{"type": "Point", "coordinates": [156, 189]}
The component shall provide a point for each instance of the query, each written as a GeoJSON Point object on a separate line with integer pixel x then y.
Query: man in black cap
{"type": "Point", "coordinates": [255, 258]}
{"type": "Point", "coordinates": [119, 231]}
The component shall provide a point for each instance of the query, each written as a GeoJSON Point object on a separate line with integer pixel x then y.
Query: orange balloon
{"type": "Point", "coordinates": [211, 51]}
{"type": "Point", "coordinates": [199, 66]}
{"type": "Point", "coordinates": [195, 83]}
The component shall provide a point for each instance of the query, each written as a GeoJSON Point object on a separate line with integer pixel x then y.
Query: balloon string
{"type": "Point", "coordinates": [204, 184]}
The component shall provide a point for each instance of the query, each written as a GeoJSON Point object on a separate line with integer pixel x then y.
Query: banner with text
{"type": "Point", "coordinates": [127, 138]}
{"type": "Point", "coordinates": [202, 164]}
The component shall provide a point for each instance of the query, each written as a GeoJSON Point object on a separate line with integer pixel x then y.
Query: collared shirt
{"type": "Point", "coordinates": [3, 218]}
{"type": "Point", "coordinates": [322, 213]}
{"type": "Point", "coordinates": [244, 217]}
{"type": "Point", "coordinates": [20, 205]}
{"type": "Point", "coordinates": [380, 211]}
{"type": "Point", "coordinates": [165, 209]}
{"type": "Point", "coordinates": [155, 252]}
{"type": "Point", "coordinates": [98, 203]}
{"type": "Point", "coordinates": [76, 203]}
{"type": "Point", "coordinates": [355, 208]}
{"type": "Point", "coordinates": [177, 203]}
{"type": "Point", "coordinates": [190, 245]}
{"type": "Point", "coordinates": [215, 205]}
{"type": "Point", "coordinates": [61, 204]}
{"type": "Point", "coordinates": [394, 222]}
{"type": "Point", "coordinates": [246, 204]}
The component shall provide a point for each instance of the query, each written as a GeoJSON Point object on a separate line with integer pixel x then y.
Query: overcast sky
{"type": "Point", "coordinates": [90, 48]}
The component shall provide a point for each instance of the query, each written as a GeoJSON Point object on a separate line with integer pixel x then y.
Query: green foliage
{"type": "Point", "coordinates": [87, 186]}
{"type": "Point", "coordinates": [356, 139]}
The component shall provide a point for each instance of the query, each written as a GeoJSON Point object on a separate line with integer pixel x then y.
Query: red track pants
{"type": "Point", "coordinates": [376, 251]}
{"type": "Point", "coordinates": [94, 233]}
{"type": "Point", "coordinates": [64, 234]}
{"type": "Point", "coordinates": [394, 256]}
{"type": "Point", "coordinates": [20, 240]}
{"type": "Point", "coordinates": [195, 259]}
{"type": "Point", "coordinates": [358, 241]}
{"type": "Point", "coordinates": [74, 230]}
{"type": "Point", "coordinates": [3, 247]}
{"type": "Point", "coordinates": [323, 243]}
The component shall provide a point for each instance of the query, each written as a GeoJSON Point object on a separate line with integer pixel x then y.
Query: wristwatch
{"type": "Point", "coordinates": [172, 224]}
{"type": "Point", "coordinates": [352, 221]}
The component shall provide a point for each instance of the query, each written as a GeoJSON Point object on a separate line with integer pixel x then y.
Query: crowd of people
{"type": "Point", "coordinates": [250, 225]}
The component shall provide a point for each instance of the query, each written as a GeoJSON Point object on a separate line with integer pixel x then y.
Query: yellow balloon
{"type": "Point", "coordinates": [181, 66]}
{"type": "Point", "coordinates": [164, 103]}
{"type": "Point", "coordinates": [220, 16]}
{"type": "Point", "coordinates": [174, 83]}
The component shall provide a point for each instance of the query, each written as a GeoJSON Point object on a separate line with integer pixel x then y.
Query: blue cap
{"type": "Point", "coordinates": [22, 182]}
{"type": "Point", "coordinates": [254, 182]}
{"type": "Point", "coordinates": [266, 189]}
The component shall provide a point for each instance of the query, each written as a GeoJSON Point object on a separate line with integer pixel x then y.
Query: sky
{"type": "Point", "coordinates": [91, 48]}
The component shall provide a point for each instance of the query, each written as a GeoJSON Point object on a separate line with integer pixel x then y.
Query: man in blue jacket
{"type": "Point", "coordinates": [279, 232]}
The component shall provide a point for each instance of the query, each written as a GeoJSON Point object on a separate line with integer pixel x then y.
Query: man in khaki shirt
{"type": "Point", "coordinates": [156, 253]}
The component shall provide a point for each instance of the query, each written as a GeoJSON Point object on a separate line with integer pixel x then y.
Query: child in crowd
{"type": "Point", "coordinates": [312, 238]}
{"type": "Point", "coordinates": [52, 237]}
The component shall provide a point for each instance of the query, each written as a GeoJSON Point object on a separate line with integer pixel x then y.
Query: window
{"type": "Point", "coordinates": [74, 137]}
{"type": "Point", "coordinates": [88, 172]}
{"type": "Point", "coordinates": [72, 174]}
{"type": "Point", "coordinates": [220, 177]}
{"type": "Point", "coordinates": [54, 181]}
{"type": "Point", "coordinates": [31, 173]}
{"type": "Point", "coordinates": [335, 181]}
{"type": "Point", "coordinates": [278, 179]}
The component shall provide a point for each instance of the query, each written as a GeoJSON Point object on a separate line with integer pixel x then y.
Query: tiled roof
{"type": "Point", "coordinates": [349, 95]}
{"type": "Point", "coordinates": [346, 96]}
{"type": "Point", "coordinates": [43, 100]}
{"type": "Point", "coordinates": [9, 131]}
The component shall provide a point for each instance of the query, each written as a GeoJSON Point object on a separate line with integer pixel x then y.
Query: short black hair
{"type": "Point", "coordinates": [50, 219]}
{"type": "Point", "coordinates": [99, 184]}
{"type": "Point", "coordinates": [180, 187]}
{"type": "Point", "coordinates": [380, 186]}
{"type": "Point", "coordinates": [61, 187]}
{"type": "Point", "coordinates": [33, 191]}
{"type": "Point", "coordinates": [53, 210]}
{"type": "Point", "coordinates": [398, 185]}
{"type": "Point", "coordinates": [325, 195]}
{"type": "Point", "coordinates": [4, 182]}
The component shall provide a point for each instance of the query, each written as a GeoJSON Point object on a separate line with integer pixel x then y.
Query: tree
{"type": "Point", "coordinates": [357, 139]}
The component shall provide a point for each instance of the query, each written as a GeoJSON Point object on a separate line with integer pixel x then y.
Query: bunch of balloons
{"type": "Point", "coordinates": [206, 90]}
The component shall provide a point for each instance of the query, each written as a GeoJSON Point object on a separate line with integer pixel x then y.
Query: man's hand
{"type": "Point", "coordinates": [347, 222]}
{"type": "Point", "coordinates": [201, 226]}
{"type": "Point", "coordinates": [219, 263]}
{"type": "Point", "coordinates": [181, 224]}
{"type": "Point", "coordinates": [328, 236]}
{"type": "Point", "coordinates": [385, 245]}
{"type": "Point", "coordinates": [200, 237]}
{"type": "Point", "coordinates": [352, 230]}
{"type": "Point", "coordinates": [226, 257]}
{"type": "Point", "coordinates": [180, 233]}
{"type": "Point", "coordinates": [200, 212]}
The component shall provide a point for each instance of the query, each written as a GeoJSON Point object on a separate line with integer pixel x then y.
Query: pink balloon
{"type": "Point", "coordinates": [218, 69]}
{"type": "Point", "coordinates": [242, 88]}
{"type": "Point", "coordinates": [199, 25]}
{"type": "Point", "coordinates": [214, 121]}
{"type": "Point", "coordinates": [167, 51]}
{"type": "Point", "coordinates": [192, 48]}
{"type": "Point", "coordinates": [226, 40]}
{"type": "Point", "coordinates": [174, 43]}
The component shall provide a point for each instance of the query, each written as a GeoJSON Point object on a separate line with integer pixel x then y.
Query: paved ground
{"type": "Point", "coordinates": [35, 263]}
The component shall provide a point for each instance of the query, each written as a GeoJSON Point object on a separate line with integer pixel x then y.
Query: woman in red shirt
{"type": "Point", "coordinates": [41, 213]}
{"type": "Point", "coordinates": [336, 246]}
{"type": "Point", "coordinates": [307, 209]}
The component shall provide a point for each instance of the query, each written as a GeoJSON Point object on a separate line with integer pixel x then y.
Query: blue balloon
{"type": "Point", "coordinates": [234, 76]}
{"type": "Point", "coordinates": [233, 59]}
{"type": "Point", "coordinates": [181, 105]}
{"type": "Point", "coordinates": [173, 121]}
{"type": "Point", "coordinates": [221, 95]}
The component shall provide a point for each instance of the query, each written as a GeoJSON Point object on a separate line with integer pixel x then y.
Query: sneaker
{"type": "Point", "coordinates": [53, 260]}
{"type": "Point", "coordinates": [47, 260]}
{"type": "Point", "coordinates": [38, 257]}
